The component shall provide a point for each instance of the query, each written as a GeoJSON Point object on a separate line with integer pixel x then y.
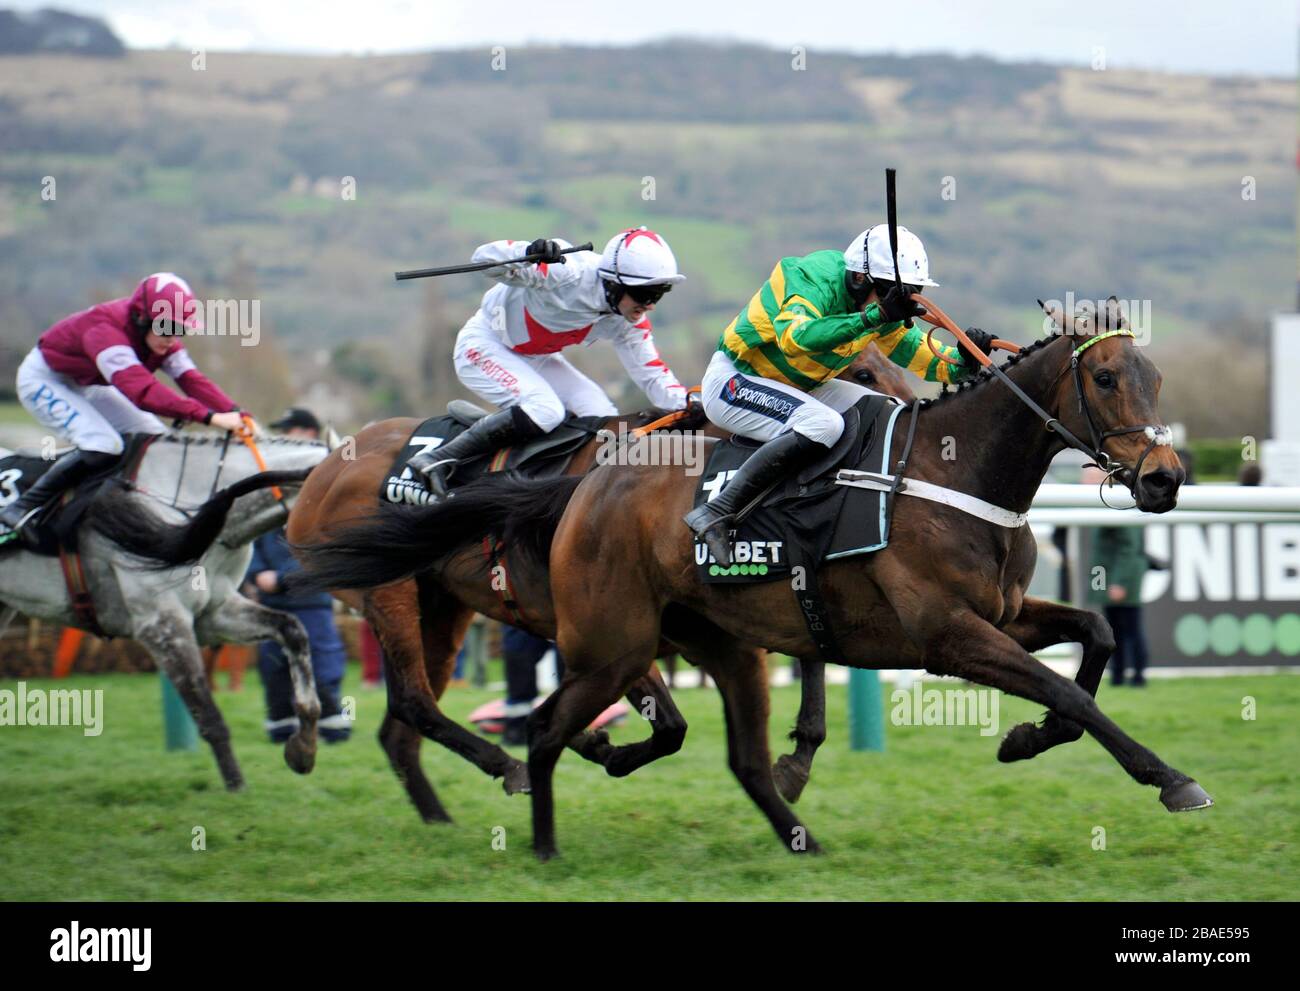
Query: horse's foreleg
{"type": "Point", "coordinates": [650, 697]}
{"type": "Point", "coordinates": [1042, 624]}
{"type": "Point", "coordinates": [968, 647]}
{"type": "Point", "coordinates": [791, 771]}
{"type": "Point", "coordinates": [169, 638]}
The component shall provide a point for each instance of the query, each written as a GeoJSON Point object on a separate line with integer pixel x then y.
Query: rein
{"type": "Point", "coordinates": [664, 421]}
{"type": "Point", "coordinates": [1159, 435]}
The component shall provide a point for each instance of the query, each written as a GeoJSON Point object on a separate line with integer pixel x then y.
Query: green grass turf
{"type": "Point", "coordinates": [934, 817]}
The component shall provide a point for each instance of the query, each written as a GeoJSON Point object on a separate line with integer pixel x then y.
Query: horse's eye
{"type": "Point", "coordinates": [1104, 379]}
{"type": "Point", "coordinates": [865, 377]}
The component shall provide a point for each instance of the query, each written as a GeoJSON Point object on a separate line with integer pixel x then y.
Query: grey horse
{"type": "Point", "coordinates": [171, 611]}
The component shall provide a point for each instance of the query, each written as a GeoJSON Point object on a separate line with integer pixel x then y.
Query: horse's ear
{"type": "Point", "coordinates": [1115, 316]}
{"type": "Point", "coordinates": [1055, 315]}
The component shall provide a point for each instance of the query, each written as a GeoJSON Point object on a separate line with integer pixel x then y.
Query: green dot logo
{"type": "Point", "coordinates": [714, 570]}
{"type": "Point", "coordinates": [1257, 634]}
{"type": "Point", "coordinates": [1286, 634]}
{"type": "Point", "coordinates": [1192, 635]}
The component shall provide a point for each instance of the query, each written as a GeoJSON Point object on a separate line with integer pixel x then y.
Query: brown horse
{"type": "Point", "coordinates": [421, 621]}
{"type": "Point", "coordinates": [947, 594]}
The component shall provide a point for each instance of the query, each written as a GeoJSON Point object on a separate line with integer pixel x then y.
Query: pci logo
{"type": "Point", "coordinates": [77, 945]}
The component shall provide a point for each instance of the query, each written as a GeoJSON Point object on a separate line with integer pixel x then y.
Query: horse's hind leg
{"type": "Point", "coordinates": [240, 620]}
{"type": "Point", "coordinates": [791, 771]}
{"type": "Point", "coordinates": [741, 676]}
{"type": "Point", "coordinates": [585, 690]}
{"type": "Point", "coordinates": [394, 614]}
{"type": "Point", "coordinates": [969, 648]}
{"type": "Point", "coordinates": [443, 621]}
{"type": "Point", "coordinates": [650, 697]}
{"type": "Point", "coordinates": [1042, 624]}
{"type": "Point", "coordinates": [169, 638]}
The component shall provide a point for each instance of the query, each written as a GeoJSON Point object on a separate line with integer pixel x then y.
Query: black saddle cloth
{"type": "Point", "coordinates": [56, 525]}
{"type": "Point", "coordinates": [546, 456]}
{"type": "Point", "coordinates": [807, 518]}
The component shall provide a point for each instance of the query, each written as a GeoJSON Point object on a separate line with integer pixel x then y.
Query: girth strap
{"type": "Point", "coordinates": [816, 614]}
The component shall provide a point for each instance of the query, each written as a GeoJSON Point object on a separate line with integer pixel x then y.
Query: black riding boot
{"type": "Point", "coordinates": [493, 432]}
{"type": "Point", "coordinates": [61, 476]}
{"type": "Point", "coordinates": [773, 461]}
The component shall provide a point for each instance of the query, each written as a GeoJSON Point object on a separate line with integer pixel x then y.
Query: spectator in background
{"type": "Point", "coordinates": [272, 560]}
{"type": "Point", "coordinates": [1250, 474]}
{"type": "Point", "coordinates": [1117, 588]}
{"type": "Point", "coordinates": [522, 651]}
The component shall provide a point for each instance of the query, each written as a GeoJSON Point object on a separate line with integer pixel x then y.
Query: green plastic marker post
{"type": "Point", "coordinates": [866, 711]}
{"type": "Point", "coordinates": [178, 725]}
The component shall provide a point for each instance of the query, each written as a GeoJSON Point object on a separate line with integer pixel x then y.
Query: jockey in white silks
{"type": "Point", "coordinates": [509, 351]}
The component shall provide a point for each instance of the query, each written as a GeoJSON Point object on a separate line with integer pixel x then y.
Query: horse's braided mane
{"type": "Point", "coordinates": [984, 375]}
{"type": "Point", "coordinates": [218, 437]}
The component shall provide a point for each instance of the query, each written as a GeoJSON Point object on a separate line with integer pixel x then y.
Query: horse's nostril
{"type": "Point", "coordinates": [1159, 482]}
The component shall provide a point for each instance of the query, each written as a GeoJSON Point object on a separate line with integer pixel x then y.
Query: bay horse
{"type": "Point", "coordinates": [421, 621]}
{"type": "Point", "coordinates": [947, 594]}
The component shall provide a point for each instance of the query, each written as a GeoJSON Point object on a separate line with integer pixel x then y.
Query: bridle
{"type": "Point", "coordinates": [1159, 435]}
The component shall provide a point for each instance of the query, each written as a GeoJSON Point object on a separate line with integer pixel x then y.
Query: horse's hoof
{"type": "Point", "coordinates": [789, 777]}
{"type": "Point", "coordinates": [545, 853]}
{"type": "Point", "coordinates": [1020, 743]}
{"type": "Point", "coordinates": [516, 779]}
{"type": "Point", "coordinates": [235, 784]}
{"type": "Point", "coordinates": [1185, 797]}
{"type": "Point", "coordinates": [300, 755]}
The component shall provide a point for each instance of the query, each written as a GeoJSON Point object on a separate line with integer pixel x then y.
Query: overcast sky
{"type": "Point", "coordinates": [1238, 36]}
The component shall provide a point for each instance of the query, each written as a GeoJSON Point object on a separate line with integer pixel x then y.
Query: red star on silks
{"type": "Point", "coordinates": [636, 232]}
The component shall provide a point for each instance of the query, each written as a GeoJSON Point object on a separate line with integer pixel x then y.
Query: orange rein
{"type": "Point", "coordinates": [937, 318]}
{"type": "Point", "coordinates": [664, 421]}
{"type": "Point", "coordinates": [246, 435]}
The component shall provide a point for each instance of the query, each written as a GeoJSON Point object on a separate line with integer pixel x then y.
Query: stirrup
{"type": "Point", "coordinates": [716, 533]}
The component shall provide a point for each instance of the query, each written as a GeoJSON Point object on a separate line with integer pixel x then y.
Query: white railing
{"type": "Point", "coordinates": [1080, 505]}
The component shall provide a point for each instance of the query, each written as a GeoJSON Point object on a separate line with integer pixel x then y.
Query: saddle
{"type": "Point", "coordinates": [54, 529]}
{"type": "Point", "coordinates": [808, 518]}
{"type": "Point", "coordinates": [547, 456]}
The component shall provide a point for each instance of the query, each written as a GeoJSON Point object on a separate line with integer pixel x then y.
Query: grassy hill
{"type": "Point", "coordinates": [1065, 179]}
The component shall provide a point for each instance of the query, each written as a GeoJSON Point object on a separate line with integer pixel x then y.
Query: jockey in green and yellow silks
{"type": "Point", "coordinates": [773, 375]}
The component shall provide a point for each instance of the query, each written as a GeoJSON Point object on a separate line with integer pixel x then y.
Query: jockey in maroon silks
{"type": "Point", "coordinates": [90, 379]}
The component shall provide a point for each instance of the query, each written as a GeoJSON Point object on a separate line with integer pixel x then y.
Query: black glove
{"type": "Point", "coordinates": [982, 339]}
{"type": "Point", "coordinates": [898, 306]}
{"type": "Point", "coordinates": [549, 250]}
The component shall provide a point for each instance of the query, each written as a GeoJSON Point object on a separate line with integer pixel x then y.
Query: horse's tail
{"type": "Point", "coordinates": [398, 541]}
{"type": "Point", "coordinates": [131, 525]}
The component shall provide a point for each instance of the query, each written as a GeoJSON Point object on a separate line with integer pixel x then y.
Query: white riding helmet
{"type": "Point", "coordinates": [869, 253]}
{"type": "Point", "coordinates": [639, 257]}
